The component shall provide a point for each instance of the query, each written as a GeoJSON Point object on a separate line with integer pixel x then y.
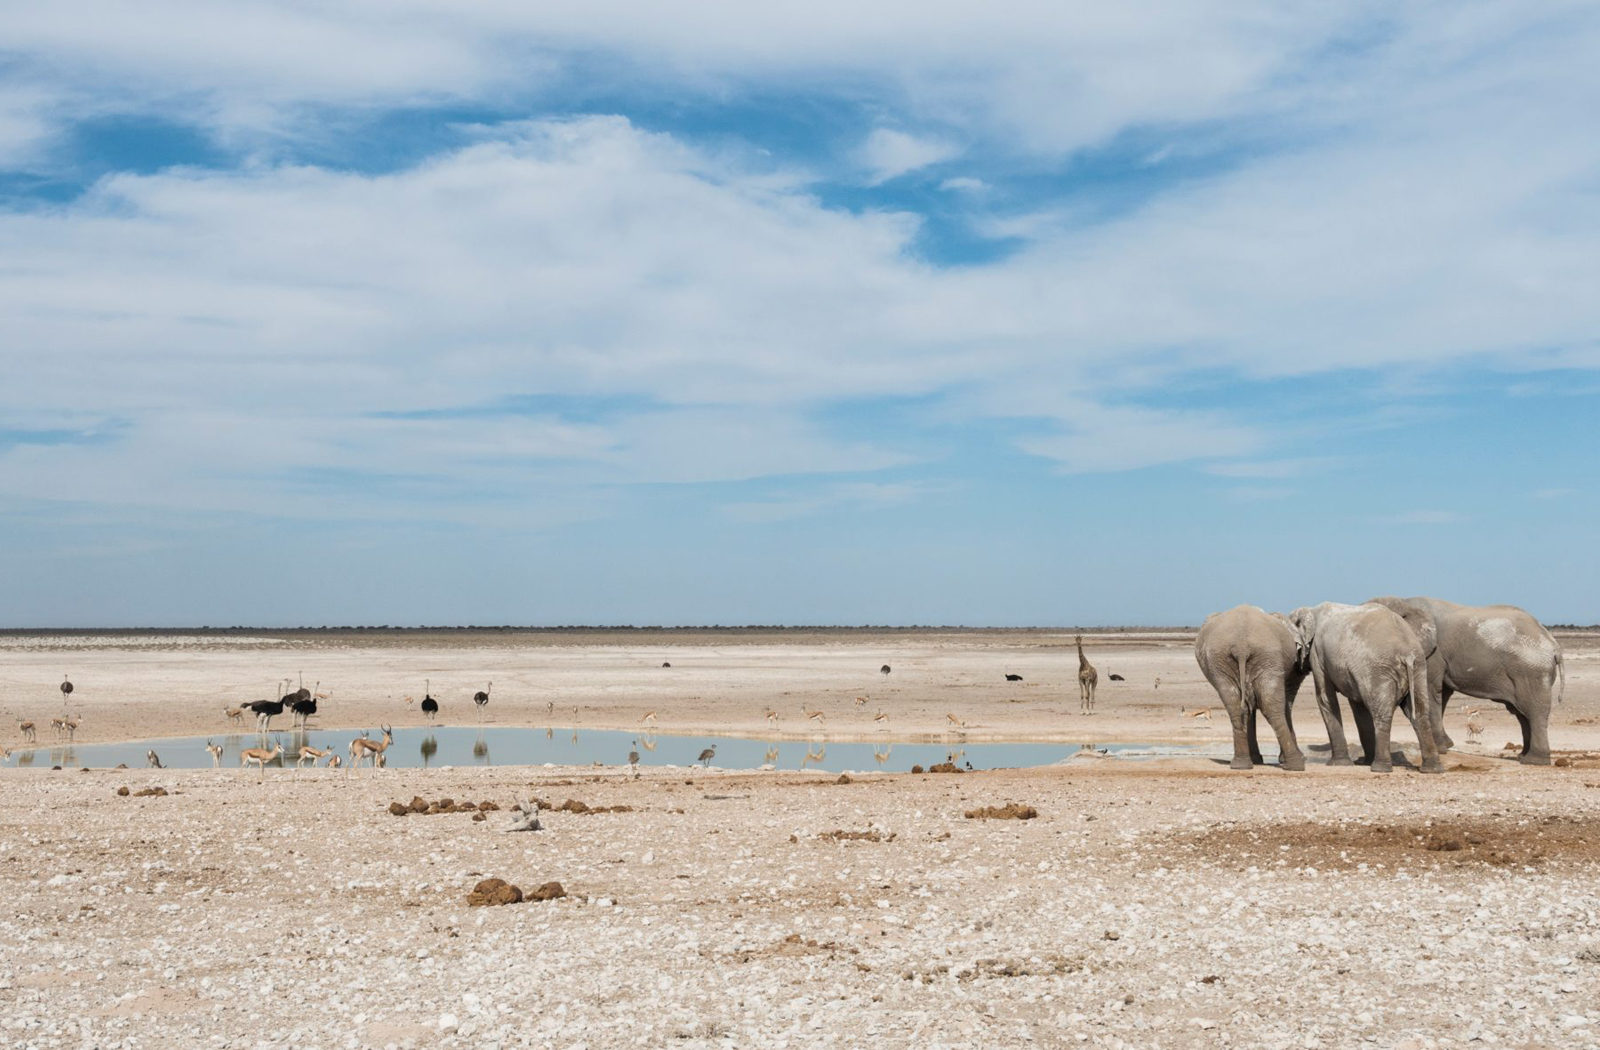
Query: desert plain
{"type": "Point", "coordinates": [1145, 903]}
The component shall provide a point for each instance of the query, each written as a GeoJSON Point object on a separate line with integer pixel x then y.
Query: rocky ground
{"type": "Point", "coordinates": [1170, 904]}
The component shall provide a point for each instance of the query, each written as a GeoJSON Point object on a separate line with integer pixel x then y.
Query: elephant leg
{"type": "Point", "coordinates": [1276, 708]}
{"type": "Point", "coordinates": [1535, 733]}
{"type": "Point", "coordinates": [1380, 722]}
{"type": "Point", "coordinates": [1364, 729]}
{"type": "Point", "coordinates": [1250, 733]}
{"type": "Point", "coordinates": [1328, 707]}
{"type": "Point", "coordinates": [1444, 693]}
{"type": "Point", "coordinates": [1233, 700]}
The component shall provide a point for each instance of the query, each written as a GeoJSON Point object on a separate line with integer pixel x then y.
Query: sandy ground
{"type": "Point", "coordinates": [1148, 904]}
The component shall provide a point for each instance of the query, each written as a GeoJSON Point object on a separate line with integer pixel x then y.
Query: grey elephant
{"type": "Point", "coordinates": [1494, 652]}
{"type": "Point", "coordinates": [1371, 656]}
{"type": "Point", "coordinates": [1255, 660]}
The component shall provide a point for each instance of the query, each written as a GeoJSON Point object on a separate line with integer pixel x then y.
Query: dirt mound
{"type": "Point", "coordinates": [548, 892]}
{"type": "Point", "coordinates": [492, 893]}
{"type": "Point", "coordinates": [856, 836]}
{"type": "Point", "coordinates": [420, 805]}
{"type": "Point", "coordinates": [1009, 811]}
{"type": "Point", "coordinates": [1500, 841]}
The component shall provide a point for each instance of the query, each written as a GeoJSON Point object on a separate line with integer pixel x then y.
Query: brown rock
{"type": "Point", "coordinates": [548, 892]}
{"type": "Point", "coordinates": [844, 778]}
{"type": "Point", "coordinates": [150, 792]}
{"type": "Point", "coordinates": [419, 804]}
{"type": "Point", "coordinates": [1009, 811]}
{"type": "Point", "coordinates": [479, 816]}
{"type": "Point", "coordinates": [488, 807]}
{"type": "Point", "coordinates": [916, 769]}
{"type": "Point", "coordinates": [123, 790]}
{"type": "Point", "coordinates": [446, 803]}
{"type": "Point", "coordinates": [945, 767]}
{"type": "Point", "coordinates": [492, 893]}
{"type": "Point", "coordinates": [399, 809]}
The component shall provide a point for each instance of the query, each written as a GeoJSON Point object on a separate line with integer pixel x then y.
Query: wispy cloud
{"type": "Point", "coordinates": [888, 154]}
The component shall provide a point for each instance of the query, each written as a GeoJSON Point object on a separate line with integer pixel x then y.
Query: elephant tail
{"type": "Point", "coordinates": [1561, 674]}
{"type": "Point", "coordinates": [1246, 701]}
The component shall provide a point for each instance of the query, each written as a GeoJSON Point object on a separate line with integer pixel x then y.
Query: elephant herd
{"type": "Point", "coordinates": [1407, 653]}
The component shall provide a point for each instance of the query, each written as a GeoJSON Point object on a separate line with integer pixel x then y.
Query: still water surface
{"type": "Point", "coordinates": [422, 747]}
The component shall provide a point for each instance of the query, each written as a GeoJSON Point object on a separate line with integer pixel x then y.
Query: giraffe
{"type": "Point", "coordinates": [1088, 677]}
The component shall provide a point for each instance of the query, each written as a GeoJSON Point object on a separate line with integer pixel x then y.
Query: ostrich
{"type": "Point", "coordinates": [1117, 678]}
{"type": "Point", "coordinates": [304, 706]}
{"type": "Point", "coordinates": [267, 710]}
{"type": "Point", "coordinates": [884, 669]}
{"type": "Point", "coordinates": [66, 690]}
{"type": "Point", "coordinates": [430, 706]}
{"type": "Point", "coordinates": [481, 698]}
{"type": "Point", "coordinates": [707, 755]}
{"type": "Point", "coordinates": [633, 759]}
{"type": "Point", "coordinates": [1013, 678]}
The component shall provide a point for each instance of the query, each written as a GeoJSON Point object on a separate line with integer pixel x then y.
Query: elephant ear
{"type": "Point", "coordinates": [1301, 625]}
{"type": "Point", "coordinates": [1420, 622]}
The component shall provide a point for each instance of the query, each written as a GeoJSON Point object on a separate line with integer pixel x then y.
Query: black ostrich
{"type": "Point", "coordinates": [1118, 678]}
{"type": "Point", "coordinates": [1013, 678]}
{"type": "Point", "coordinates": [884, 669]}
{"type": "Point", "coordinates": [481, 698]}
{"type": "Point", "coordinates": [66, 690]}
{"type": "Point", "coordinates": [430, 706]}
{"type": "Point", "coordinates": [304, 707]}
{"type": "Point", "coordinates": [267, 710]}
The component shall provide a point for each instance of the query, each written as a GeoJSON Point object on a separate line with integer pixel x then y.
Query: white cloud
{"type": "Point", "coordinates": [1098, 438]}
{"type": "Point", "coordinates": [888, 154]}
{"type": "Point", "coordinates": [964, 184]}
{"type": "Point", "coordinates": [1427, 517]}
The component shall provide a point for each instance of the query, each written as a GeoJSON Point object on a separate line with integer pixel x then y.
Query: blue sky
{"type": "Point", "coordinates": [1050, 314]}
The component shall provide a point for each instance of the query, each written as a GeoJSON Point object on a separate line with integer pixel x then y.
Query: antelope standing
{"type": "Point", "coordinates": [648, 716]}
{"type": "Point", "coordinates": [260, 756]}
{"type": "Point", "coordinates": [215, 750]}
{"type": "Point", "coordinates": [235, 714]}
{"type": "Point", "coordinates": [312, 755]}
{"type": "Point", "coordinates": [816, 716]}
{"type": "Point", "coordinates": [27, 730]}
{"type": "Point", "coordinates": [361, 747]}
{"type": "Point", "coordinates": [772, 718]}
{"type": "Point", "coordinates": [861, 701]}
{"type": "Point", "coordinates": [953, 720]}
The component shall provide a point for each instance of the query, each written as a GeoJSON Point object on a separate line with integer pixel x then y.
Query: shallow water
{"type": "Point", "coordinates": [422, 747]}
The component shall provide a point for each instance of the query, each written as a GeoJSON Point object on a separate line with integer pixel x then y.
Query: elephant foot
{"type": "Point", "coordinates": [1444, 742]}
{"type": "Point", "coordinates": [1340, 760]}
{"type": "Point", "coordinates": [1383, 767]}
{"type": "Point", "coordinates": [1364, 760]}
{"type": "Point", "coordinates": [1293, 763]}
{"type": "Point", "coordinates": [1241, 763]}
{"type": "Point", "coordinates": [1528, 758]}
{"type": "Point", "coordinates": [1433, 767]}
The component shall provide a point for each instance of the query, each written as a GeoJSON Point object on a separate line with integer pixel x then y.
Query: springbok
{"type": "Point", "coordinates": [361, 747]}
{"type": "Point", "coordinates": [260, 756]}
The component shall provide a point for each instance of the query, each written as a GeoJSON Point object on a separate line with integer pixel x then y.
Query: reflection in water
{"type": "Point", "coordinates": [465, 746]}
